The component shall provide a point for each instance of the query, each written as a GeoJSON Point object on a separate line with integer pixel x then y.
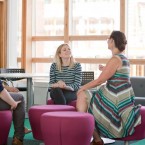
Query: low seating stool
{"type": "Point", "coordinates": [72, 103]}
{"type": "Point", "coordinates": [67, 128]}
{"type": "Point", "coordinates": [5, 124]}
{"type": "Point", "coordinates": [35, 113]}
{"type": "Point", "coordinates": [139, 133]}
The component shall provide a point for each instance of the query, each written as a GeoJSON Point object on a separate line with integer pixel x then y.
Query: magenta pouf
{"type": "Point", "coordinates": [67, 128]}
{"type": "Point", "coordinates": [5, 124]}
{"type": "Point", "coordinates": [72, 103]}
{"type": "Point", "coordinates": [35, 113]}
{"type": "Point", "coordinates": [139, 130]}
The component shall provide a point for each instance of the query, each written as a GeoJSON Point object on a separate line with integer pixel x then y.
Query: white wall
{"type": "Point", "coordinates": [40, 92]}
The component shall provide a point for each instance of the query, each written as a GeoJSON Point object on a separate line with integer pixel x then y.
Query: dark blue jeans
{"type": "Point", "coordinates": [62, 96]}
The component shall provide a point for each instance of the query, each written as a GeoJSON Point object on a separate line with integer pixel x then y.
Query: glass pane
{"type": "Point", "coordinates": [19, 28]}
{"type": "Point", "coordinates": [45, 49]}
{"type": "Point", "coordinates": [90, 49]}
{"type": "Point", "coordinates": [136, 29]}
{"type": "Point", "coordinates": [45, 68]}
{"type": "Point", "coordinates": [95, 17]}
{"type": "Point", "coordinates": [137, 70]}
{"type": "Point", "coordinates": [41, 68]}
{"type": "Point", "coordinates": [48, 17]}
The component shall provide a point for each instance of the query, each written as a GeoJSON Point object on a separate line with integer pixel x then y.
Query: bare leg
{"type": "Point", "coordinates": [96, 136]}
{"type": "Point", "coordinates": [82, 104]}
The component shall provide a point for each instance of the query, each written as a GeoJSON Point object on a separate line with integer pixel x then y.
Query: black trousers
{"type": "Point", "coordinates": [62, 96]}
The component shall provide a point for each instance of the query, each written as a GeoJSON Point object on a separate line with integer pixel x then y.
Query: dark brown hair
{"type": "Point", "coordinates": [119, 39]}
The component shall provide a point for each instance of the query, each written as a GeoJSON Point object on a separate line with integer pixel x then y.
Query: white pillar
{"type": "Point", "coordinates": [12, 26]}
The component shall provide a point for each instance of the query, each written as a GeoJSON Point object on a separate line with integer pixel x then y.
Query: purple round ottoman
{"type": "Point", "coordinates": [5, 124]}
{"type": "Point", "coordinates": [35, 113]}
{"type": "Point", "coordinates": [72, 103]}
{"type": "Point", "coordinates": [67, 128]}
{"type": "Point", "coordinates": [139, 133]}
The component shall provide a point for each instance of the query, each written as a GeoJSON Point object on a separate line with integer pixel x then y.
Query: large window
{"type": "Point", "coordinates": [94, 17]}
{"type": "Point", "coordinates": [136, 28]}
{"type": "Point", "coordinates": [85, 25]}
{"type": "Point", "coordinates": [48, 17]}
{"type": "Point", "coordinates": [83, 19]}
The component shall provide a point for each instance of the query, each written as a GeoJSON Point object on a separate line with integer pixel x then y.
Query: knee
{"type": "Point", "coordinates": [82, 103]}
{"type": "Point", "coordinates": [21, 97]}
{"type": "Point", "coordinates": [55, 90]}
{"type": "Point", "coordinates": [82, 96]}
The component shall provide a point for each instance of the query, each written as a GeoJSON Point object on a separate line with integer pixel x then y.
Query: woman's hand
{"type": "Point", "coordinates": [15, 104]}
{"type": "Point", "coordinates": [61, 84]}
{"type": "Point", "coordinates": [101, 67]}
{"type": "Point", "coordinates": [56, 85]}
{"type": "Point", "coordinates": [11, 89]}
{"type": "Point", "coordinates": [5, 96]}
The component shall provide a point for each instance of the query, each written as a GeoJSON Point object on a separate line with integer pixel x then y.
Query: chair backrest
{"type": "Point", "coordinates": [87, 76]}
{"type": "Point", "coordinates": [12, 70]}
{"type": "Point", "coordinates": [138, 84]}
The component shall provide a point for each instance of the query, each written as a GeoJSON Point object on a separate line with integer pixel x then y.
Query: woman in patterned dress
{"type": "Point", "coordinates": [112, 105]}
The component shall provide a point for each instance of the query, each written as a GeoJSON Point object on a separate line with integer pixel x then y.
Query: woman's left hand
{"type": "Point", "coordinates": [11, 89]}
{"type": "Point", "coordinates": [61, 84]}
{"type": "Point", "coordinates": [14, 106]}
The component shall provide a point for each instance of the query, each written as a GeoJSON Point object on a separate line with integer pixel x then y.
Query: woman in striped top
{"type": "Point", "coordinates": [112, 105]}
{"type": "Point", "coordinates": [65, 76]}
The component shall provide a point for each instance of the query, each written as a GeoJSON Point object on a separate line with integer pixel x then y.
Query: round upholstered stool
{"type": "Point", "coordinates": [139, 133]}
{"type": "Point", "coordinates": [35, 113]}
{"type": "Point", "coordinates": [72, 103]}
{"type": "Point", "coordinates": [67, 128]}
{"type": "Point", "coordinates": [5, 124]}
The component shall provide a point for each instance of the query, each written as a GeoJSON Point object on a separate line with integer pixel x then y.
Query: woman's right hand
{"type": "Point", "coordinates": [101, 67]}
{"type": "Point", "coordinates": [61, 84]}
{"type": "Point", "coordinates": [15, 104]}
{"type": "Point", "coordinates": [54, 85]}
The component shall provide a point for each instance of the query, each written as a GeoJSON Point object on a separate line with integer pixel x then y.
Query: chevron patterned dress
{"type": "Point", "coordinates": [113, 105]}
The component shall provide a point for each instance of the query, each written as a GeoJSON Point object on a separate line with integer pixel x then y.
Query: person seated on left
{"type": "Point", "coordinates": [15, 102]}
{"type": "Point", "coordinates": [13, 90]}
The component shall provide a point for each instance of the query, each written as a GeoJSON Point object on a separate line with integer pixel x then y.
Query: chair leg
{"type": "Point", "coordinates": [126, 142]}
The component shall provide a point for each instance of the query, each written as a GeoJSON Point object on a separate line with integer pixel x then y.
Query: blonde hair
{"type": "Point", "coordinates": [57, 58]}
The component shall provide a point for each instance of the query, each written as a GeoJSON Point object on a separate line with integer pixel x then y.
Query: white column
{"type": "Point", "coordinates": [12, 25]}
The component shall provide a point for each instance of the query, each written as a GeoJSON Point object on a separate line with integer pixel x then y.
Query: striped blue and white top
{"type": "Point", "coordinates": [71, 76]}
